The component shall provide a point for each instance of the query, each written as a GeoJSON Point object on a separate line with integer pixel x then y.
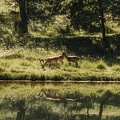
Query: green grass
{"type": "Point", "coordinates": [21, 63]}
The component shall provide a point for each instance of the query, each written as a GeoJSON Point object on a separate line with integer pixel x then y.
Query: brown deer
{"type": "Point", "coordinates": [72, 58]}
{"type": "Point", "coordinates": [50, 60]}
{"type": "Point", "coordinates": [61, 57]}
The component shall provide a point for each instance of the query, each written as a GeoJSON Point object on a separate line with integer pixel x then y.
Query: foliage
{"type": "Point", "coordinates": [101, 65]}
{"type": "Point", "coordinates": [83, 14]}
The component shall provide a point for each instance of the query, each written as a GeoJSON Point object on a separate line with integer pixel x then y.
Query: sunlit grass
{"type": "Point", "coordinates": [116, 67]}
{"type": "Point", "coordinates": [113, 25]}
{"type": "Point", "coordinates": [24, 62]}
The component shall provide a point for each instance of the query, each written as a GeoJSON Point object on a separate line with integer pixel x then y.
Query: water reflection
{"type": "Point", "coordinates": [21, 109]}
{"type": "Point", "coordinates": [38, 108]}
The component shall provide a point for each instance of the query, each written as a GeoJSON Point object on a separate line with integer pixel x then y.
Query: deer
{"type": "Point", "coordinates": [61, 57]}
{"type": "Point", "coordinates": [74, 59]}
{"type": "Point", "coordinates": [50, 60]}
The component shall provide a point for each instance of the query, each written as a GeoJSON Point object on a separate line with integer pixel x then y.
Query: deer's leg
{"type": "Point", "coordinates": [57, 63]}
{"type": "Point", "coordinates": [76, 64]}
{"type": "Point", "coordinates": [43, 67]}
{"type": "Point", "coordinates": [42, 63]}
{"type": "Point", "coordinates": [61, 60]}
{"type": "Point", "coordinates": [69, 62]}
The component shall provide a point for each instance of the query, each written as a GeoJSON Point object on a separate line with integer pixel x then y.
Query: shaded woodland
{"type": "Point", "coordinates": [81, 15]}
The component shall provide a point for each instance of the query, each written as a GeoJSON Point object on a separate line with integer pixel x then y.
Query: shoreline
{"type": "Point", "coordinates": [59, 82]}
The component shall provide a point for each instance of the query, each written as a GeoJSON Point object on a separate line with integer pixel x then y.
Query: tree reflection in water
{"type": "Point", "coordinates": [50, 109]}
{"type": "Point", "coordinates": [21, 109]}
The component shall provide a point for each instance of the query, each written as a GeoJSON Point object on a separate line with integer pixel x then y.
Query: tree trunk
{"type": "Point", "coordinates": [105, 41]}
{"type": "Point", "coordinates": [24, 28]}
{"type": "Point", "coordinates": [27, 6]}
{"type": "Point", "coordinates": [102, 19]}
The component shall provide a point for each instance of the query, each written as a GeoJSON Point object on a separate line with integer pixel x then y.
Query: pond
{"type": "Point", "coordinates": [40, 109]}
{"type": "Point", "coordinates": [37, 102]}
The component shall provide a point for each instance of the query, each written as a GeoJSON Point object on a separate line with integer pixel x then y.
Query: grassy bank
{"type": "Point", "coordinates": [22, 64]}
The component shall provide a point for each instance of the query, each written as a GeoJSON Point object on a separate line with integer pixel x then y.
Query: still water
{"type": "Point", "coordinates": [44, 109]}
{"type": "Point", "coordinates": [66, 101]}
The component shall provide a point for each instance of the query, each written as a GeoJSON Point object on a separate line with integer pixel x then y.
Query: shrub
{"type": "Point", "coordinates": [101, 65]}
{"type": "Point", "coordinates": [86, 64]}
{"type": "Point", "coordinates": [116, 67]}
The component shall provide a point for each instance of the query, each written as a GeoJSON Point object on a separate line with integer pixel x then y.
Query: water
{"type": "Point", "coordinates": [42, 109]}
{"type": "Point", "coordinates": [28, 101]}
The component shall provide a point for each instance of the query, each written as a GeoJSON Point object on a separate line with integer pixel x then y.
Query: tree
{"type": "Point", "coordinates": [24, 28]}
{"type": "Point", "coordinates": [102, 19]}
{"type": "Point", "coordinates": [22, 24]}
